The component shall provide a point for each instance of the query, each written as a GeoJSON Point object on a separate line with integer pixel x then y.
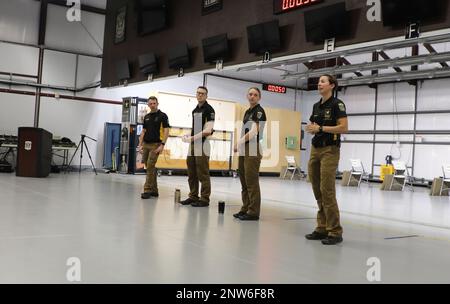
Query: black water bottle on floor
{"type": "Point", "coordinates": [177, 196]}
{"type": "Point", "coordinates": [221, 207]}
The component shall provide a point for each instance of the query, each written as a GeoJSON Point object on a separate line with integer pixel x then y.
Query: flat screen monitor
{"type": "Point", "coordinates": [402, 12]}
{"type": "Point", "coordinates": [122, 69]}
{"type": "Point", "coordinates": [215, 48]}
{"type": "Point", "coordinates": [148, 64]}
{"type": "Point", "coordinates": [179, 57]}
{"type": "Point", "coordinates": [152, 20]}
{"type": "Point", "coordinates": [327, 22]}
{"type": "Point", "coordinates": [264, 37]}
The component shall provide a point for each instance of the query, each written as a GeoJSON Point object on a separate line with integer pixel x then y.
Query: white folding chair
{"type": "Point", "coordinates": [401, 174]}
{"type": "Point", "coordinates": [445, 178]}
{"type": "Point", "coordinates": [358, 171]}
{"type": "Point", "coordinates": [291, 166]}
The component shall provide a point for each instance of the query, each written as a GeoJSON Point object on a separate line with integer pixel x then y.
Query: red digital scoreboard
{"type": "Point", "coordinates": [282, 6]}
{"type": "Point", "coordinates": [274, 88]}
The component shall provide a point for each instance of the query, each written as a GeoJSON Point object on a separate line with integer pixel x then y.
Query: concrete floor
{"type": "Point", "coordinates": [120, 238]}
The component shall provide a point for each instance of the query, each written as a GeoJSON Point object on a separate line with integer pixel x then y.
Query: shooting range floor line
{"type": "Point", "coordinates": [44, 236]}
{"type": "Point", "coordinates": [402, 237]}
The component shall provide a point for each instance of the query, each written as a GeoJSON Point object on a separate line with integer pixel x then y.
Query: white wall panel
{"type": "Point", "coordinates": [16, 111]}
{"type": "Point", "coordinates": [429, 160]}
{"type": "Point", "coordinates": [433, 122]}
{"type": "Point", "coordinates": [306, 103]}
{"type": "Point", "coordinates": [359, 58]}
{"type": "Point", "coordinates": [89, 70]}
{"type": "Point", "coordinates": [404, 153]}
{"type": "Point", "coordinates": [357, 151]}
{"type": "Point", "coordinates": [399, 53]}
{"type": "Point", "coordinates": [59, 69]}
{"type": "Point", "coordinates": [225, 115]}
{"type": "Point", "coordinates": [434, 95]}
{"type": "Point", "coordinates": [18, 59]}
{"type": "Point", "coordinates": [74, 36]}
{"type": "Point", "coordinates": [178, 108]}
{"type": "Point", "coordinates": [395, 122]}
{"type": "Point", "coordinates": [70, 119]}
{"type": "Point", "coordinates": [19, 21]}
{"type": "Point", "coordinates": [396, 97]}
{"type": "Point", "coordinates": [358, 99]}
{"type": "Point", "coordinates": [361, 122]}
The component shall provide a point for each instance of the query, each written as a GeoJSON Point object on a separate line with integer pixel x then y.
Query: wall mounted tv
{"type": "Point", "coordinates": [264, 37]}
{"type": "Point", "coordinates": [327, 22]}
{"type": "Point", "coordinates": [402, 12]}
{"type": "Point", "coordinates": [215, 48]}
{"type": "Point", "coordinates": [122, 69]}
{"type": "Point", "coordinates": [148, 64]}
{"type": "Point", "coordinates": [151, 16]}
{"type": "Point", "coordinates": [179, 57]}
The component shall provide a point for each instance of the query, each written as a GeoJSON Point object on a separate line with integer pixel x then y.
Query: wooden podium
{"type": "Point", "coordinates": [34, 152]}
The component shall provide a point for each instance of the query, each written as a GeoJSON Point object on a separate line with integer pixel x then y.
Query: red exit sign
{"type": "Point", "coordinates": [274, 88]}
{"type": "Point", "coordinates": [282, 6]}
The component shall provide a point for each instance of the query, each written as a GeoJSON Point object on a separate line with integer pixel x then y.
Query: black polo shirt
{"type": "Point", "coordinates": [251, 116]}
{"type": "Point", "coordinates": [200, 116]}
{"type": "Point", "coordinates": [327, 114]}
{"type": "Point", "coordinates": [154, 124]}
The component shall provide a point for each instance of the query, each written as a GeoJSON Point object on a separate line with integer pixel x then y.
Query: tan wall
{"type": "Point", "coordinates": [289, 125]}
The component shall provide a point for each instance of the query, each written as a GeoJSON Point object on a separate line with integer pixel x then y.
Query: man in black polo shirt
{"type": "Point", "coordinates": [151, 142]}
{"type": "Point", "coordinates": [203, 117]}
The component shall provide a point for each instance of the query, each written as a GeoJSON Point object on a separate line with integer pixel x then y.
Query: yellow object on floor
{"type": "Point", "coordinates": [386, 169]}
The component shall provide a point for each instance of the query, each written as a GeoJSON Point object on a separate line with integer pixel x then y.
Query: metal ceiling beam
{"type": "Point", "coordinates": [343, 53]}
{"type": "Point", "coordinates": [431, 49]}
{"type": "Point", "coordinates": [386, 57]}
{"type": "Point", "coordinates": [392, 77]}
{"type": "Point", "coordinates": [375, 58]}
{"type": "Point", "coordinates": [375, 65]}
{"type": "Point", "coordinates": [346, 62]}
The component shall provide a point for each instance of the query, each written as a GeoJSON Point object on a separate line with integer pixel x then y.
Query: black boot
{"type": "Point", "coordinates": [332, 240]}
{"type": "Point", "coordinates": [316, 236]}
